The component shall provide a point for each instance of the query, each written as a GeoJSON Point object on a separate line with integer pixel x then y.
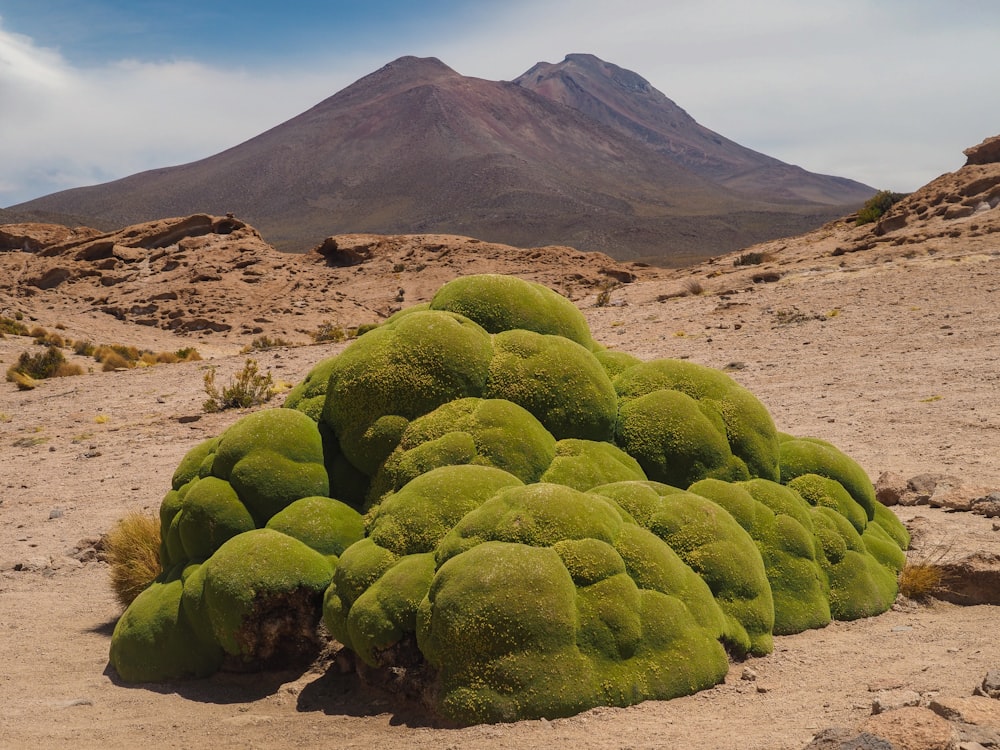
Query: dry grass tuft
{"type": "Point", "coordinates": [920, 581]}
{"type": "Point", "coordinates": [923, 578]}
{"type": "Point", "coordinates": [133, 550]}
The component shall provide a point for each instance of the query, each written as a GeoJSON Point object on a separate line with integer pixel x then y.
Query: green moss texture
{"type": "Point", "coordinates": [509, 520]}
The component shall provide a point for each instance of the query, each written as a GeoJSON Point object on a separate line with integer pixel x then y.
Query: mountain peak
{"type": "Point", "coordinates": [404, 72]}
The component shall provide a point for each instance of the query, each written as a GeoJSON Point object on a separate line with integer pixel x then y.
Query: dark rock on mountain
{"type": "Point", "coordinates": [416, 147]}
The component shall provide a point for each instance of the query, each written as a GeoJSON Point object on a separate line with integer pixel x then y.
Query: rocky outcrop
{"type": "Point", "coordinates": [183, 275]}
{"type": "Point", "coordinates": [987, 152]}
{"type": "Point", "coordinates": [31, 238]}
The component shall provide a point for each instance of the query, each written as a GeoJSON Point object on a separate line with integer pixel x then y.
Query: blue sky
{"type": "Point", "coordinates": [888, 92]}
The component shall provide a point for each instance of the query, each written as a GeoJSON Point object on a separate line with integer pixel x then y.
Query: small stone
{"type": "Point", "coordinates": [748, 674]}
{"type": "Point", "coordinates": [56, 513]}
{"type": "Point", "coordinates": [890, 700]}
{"type": "Point", "coordinates": [890, 488]}
{"type": "Point", "coordinates": [990, 686]}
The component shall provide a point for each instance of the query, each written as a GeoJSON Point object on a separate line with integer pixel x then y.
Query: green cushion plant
{"type": "Point", "coordinates": [549, 525]}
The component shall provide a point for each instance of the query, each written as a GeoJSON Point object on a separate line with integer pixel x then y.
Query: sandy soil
{"type": "Point", "coordinates": [891, 356]}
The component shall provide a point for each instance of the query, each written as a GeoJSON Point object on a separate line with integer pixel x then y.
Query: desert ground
{"type": "Point", "coordinates": [885, 345]}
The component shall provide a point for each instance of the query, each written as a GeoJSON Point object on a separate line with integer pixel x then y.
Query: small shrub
{"type": "Point", "coordinates": [248, 388]}
{"type": "Point", "coordinates": [49, 364]}
{"type": "Point", "coordinates": [604, 296]}
{"type": "Point", "coordinates": [329, 331]}
{"type": "Point", "coordinates": [188, 354]}
{"type": "Point", "coordinates": [877, 205]}
{"type": "Point", "coordinates": [84, 348]}
{"type": "Point", "coordinates": [263, 343]}
{"type": "Point", "coordinates": [133, 550]}
{"type": "Point", "coordinates": [751, 259]}
{"type": "Point", "coordinates": [112, 361]}
{"type": "Point", "coordinates": [694, 287]}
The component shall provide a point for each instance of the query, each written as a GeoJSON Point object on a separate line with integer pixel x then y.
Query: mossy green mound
{"type": "Point", "coordinates": [584, 464]}
{"type": "Point", "coordinates": [256, 576]}
{"type": "Point", "coordinates": [803, 455]}
{"type": "Point", "coordinates": [557, 380]}
{"type": "Point", "coordinates": [398, 372]}
{"type": "Point", "coordinates": [486, 432]}
{"type": "Point", "coordinates": [716, 547]}
{"type": "Point", "coordinates": [504, 303]}
{"type": "Point", "coordinates": [154, 640]}
{"type": "Point", "coordinates": [309, 396]}
{"type": "Point", "coordinates": [780, 523]}
{"type": "Point", "coordinates": [416, 518]}
{"type": "Point", "coordinates": [546, 575]}
{"type": "Point", "coordinates": [748, 428]}
{"type": "Point", "coordinates": [271, 458]}
{"type": "Point", "coordinates": [550, 525]}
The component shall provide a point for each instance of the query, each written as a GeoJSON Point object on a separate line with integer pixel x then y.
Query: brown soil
{"type": "Point", "coordinates": [889, 352]}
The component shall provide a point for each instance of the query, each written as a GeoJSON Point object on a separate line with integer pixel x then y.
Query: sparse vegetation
{"type": "Point", "coordinates": [694, 287]}
{"type": "Point", "coordinates": [263, 343]}
{"type": "Point", "coordinates": [604, 296]}
{"type": "Point", "coordinates": [47, 338]}
{"type": "Point", "coordinates": [877, 205]}
{"type": "Point", "coordinates": [49, 364]}
{"type": "Point", "coordinates": [329, 331]}
{"type": "Point", "coordinates": [248, 388]}
{"type": "Point", "coordinates": [133, 550]}
{"type": "Point", "coordinates": [84, 348]}
{"type": "Point", "coordinates": [751, 259]}
{"type": "Point", "coordinates": [794, 316]}
{"type": "Point", "coordinates": [12, 326]}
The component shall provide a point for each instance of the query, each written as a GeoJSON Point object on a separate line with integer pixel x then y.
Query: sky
{"type": "Point", "coordinates": [887, 92]}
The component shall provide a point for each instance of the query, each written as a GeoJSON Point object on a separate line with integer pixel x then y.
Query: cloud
{"type": "Point", "coordinates": [886, 92]}
{"type": "Point", "coordinates": [64, 126]}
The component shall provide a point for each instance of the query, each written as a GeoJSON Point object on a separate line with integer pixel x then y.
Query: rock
{"type": "Point", "coordinates": [975, 709]}
{"type": "Point", "coordinates": [987, 152]}
{"type": "Point", "coordinates": [890, 487]}
{"type": "Point", "coordinates": [990, 686]}
{"type": "Point", "coordinates": [748, 674]}
{"type": "Point", "coordinates": [51, 278]}
{"type": "Point", "coordinates": [890, 700]}
{"type": "Point", "coordinates": [922, 487]}
{"type": "Point", "coordinates": [987, 505]}
{"type": "Point", "coordinates": [952, 493]}
{"type": "Point", "coordinates": [839, 738]}
{"type": "Point", "coordinates": [31, 237]}
{"type": "Point", "coordinates": [912, 728]}
{"type": "Point", "coordinates": [972, 580]}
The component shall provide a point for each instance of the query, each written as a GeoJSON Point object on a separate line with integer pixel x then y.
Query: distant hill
{"type": "Point", "coordinates": [416, 147]}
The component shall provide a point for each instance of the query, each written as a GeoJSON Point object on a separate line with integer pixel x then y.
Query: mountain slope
{"type": "Point", "coordinates": [416, 147]}
{"type": "Point", "coordinates": [628, 103]}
